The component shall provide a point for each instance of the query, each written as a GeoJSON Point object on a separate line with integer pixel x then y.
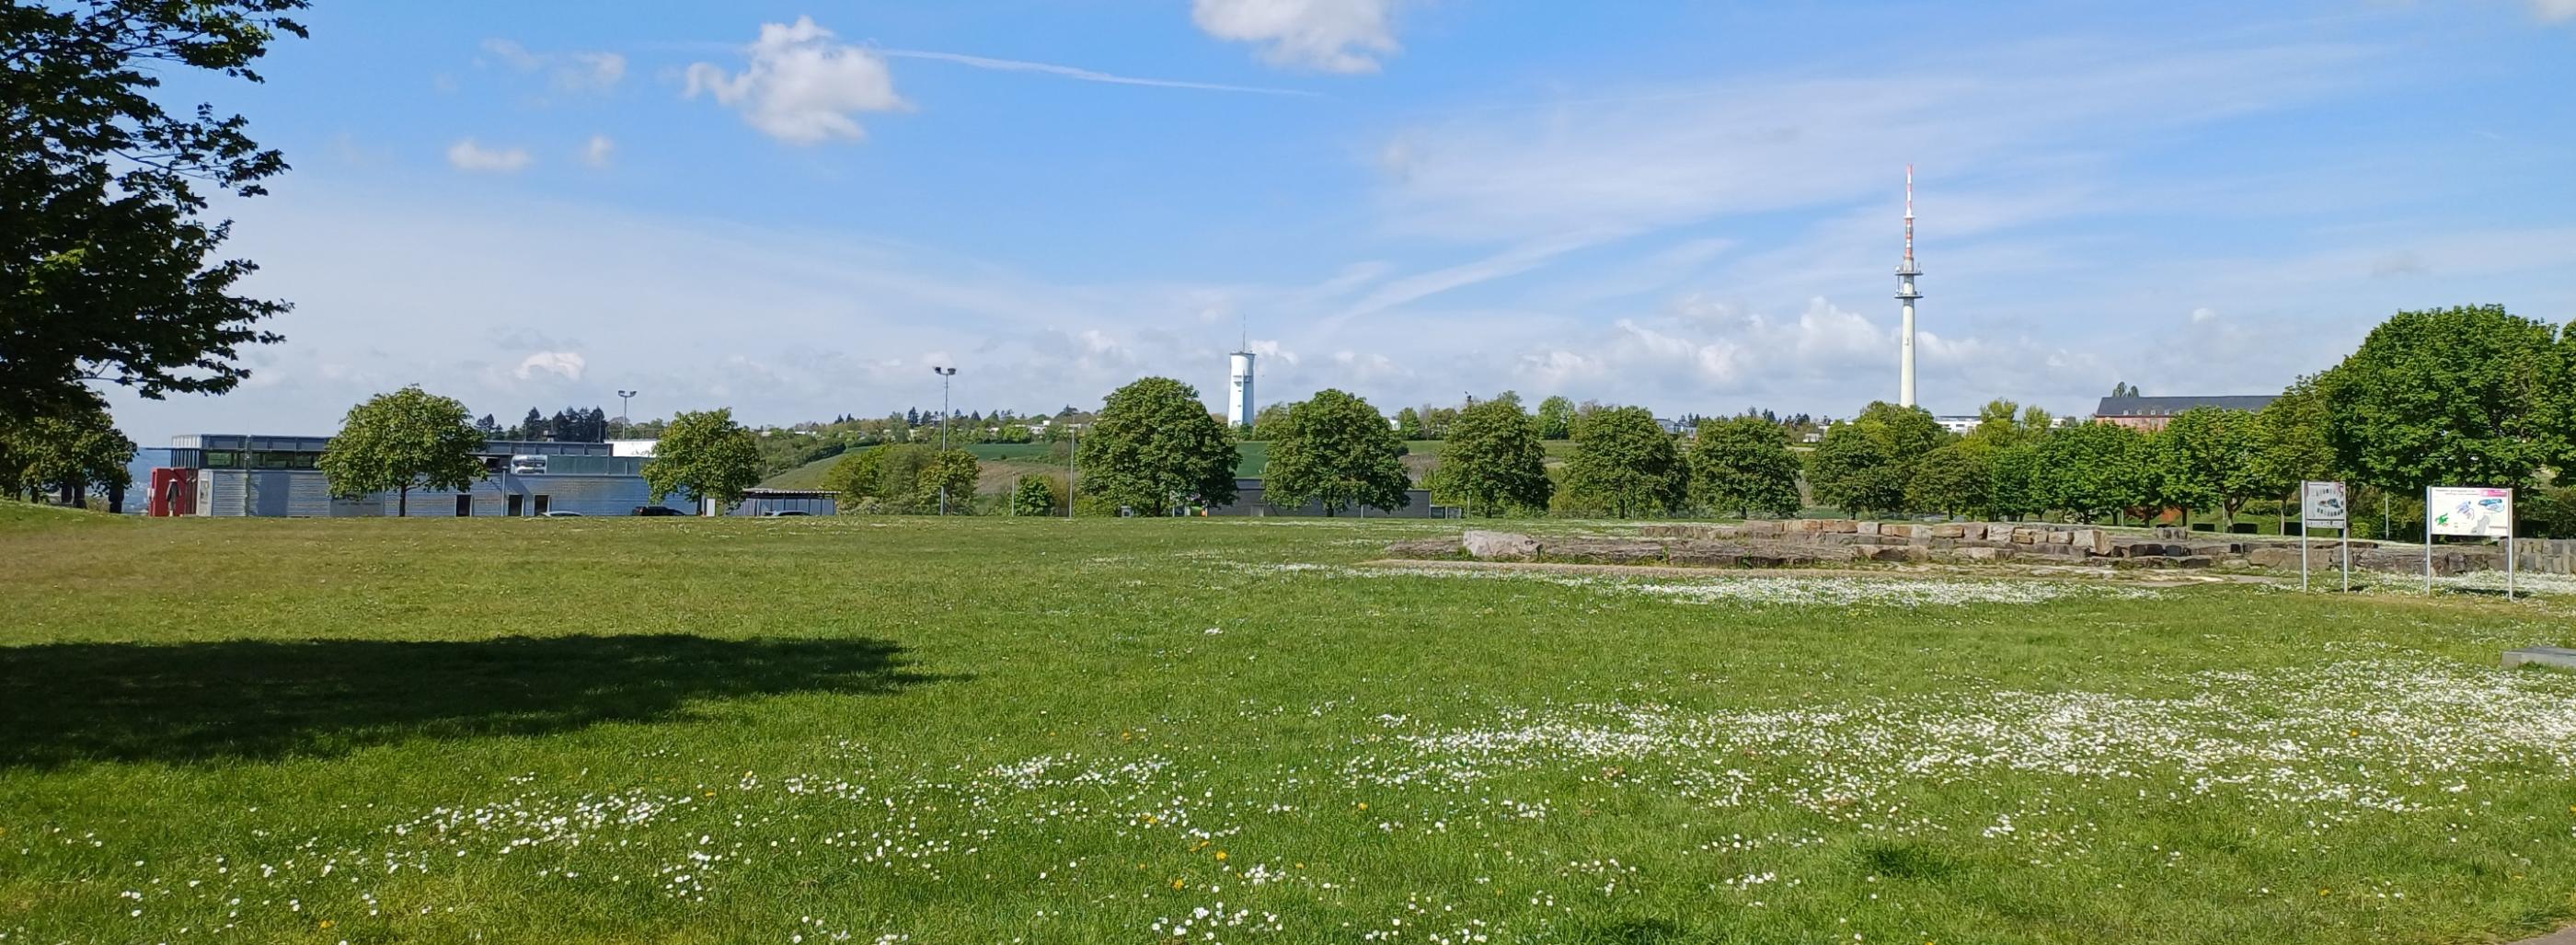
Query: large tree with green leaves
{"type": "Point", "coordinates": [65, 454]}
{"type": "Point", "coordinates": [2095, 470]}
{"type": "Point", "coordinates": [2012, 481]}
{"type": "Point", "coordinates": [1556, 418]}
{"type": "Point", "coordinates": [1493, 461]}
{"type": "Point", "coordinates": [705, 455]}
{"type": "Point", "coordinates": [2460, 396]}
{"type": "Point", "coordinates": [1743, 465]}
{"type": "Point", "coordinates": [1154, 448]}
{"type": "Point", "coordinates": [400, 441]}
{"type": "Point", "coordinates": [1626, 464]}
{"type": "Point", "coordinates": [108, 272]}
{"type": "Point", "coordinates": [1853, 471]}
{"type": "Point", "coordinates": [1953, 478]}
{"type": "Point", "coordinates": [2209, 458]}
{"type": "Point", "coordinates": [1339, 451]}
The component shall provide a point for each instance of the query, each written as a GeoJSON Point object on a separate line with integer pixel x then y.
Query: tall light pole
{"type": "Point", "coordinates": [944, 374]}
{"type": "Point", "coordinates": [623, 414]}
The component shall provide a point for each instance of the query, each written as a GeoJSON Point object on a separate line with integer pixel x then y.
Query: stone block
{"type": "Point", "coordinates": [1952, 530]}
{"type": "Point", "coordinates": [2026, 535]}
{"type": "Point", "coordinates": [1978, 554]}
{"type": "Point", "coordinates": [2557, 656]}
{"type": "Point", "coordinates": [1867, 528]}
{"type": "Point", "coordinates": [1897, 529]}
{"type": "Point", "coordinates": [1499, 545]}
{"type": "Point", "coordinates": [1842, 526]}
{"type": "Point", "coordinates": [2056, 537]}
{"type": "Point", "coordinates": [1899, 554]}
{"type": "Point", "coordinates": [1759, 527]}
{"type": "Point", "coordinates": [1974, 531]}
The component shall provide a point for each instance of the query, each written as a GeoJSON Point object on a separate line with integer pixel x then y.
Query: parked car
{"type": "Point", "coordinates": [657, 510]}
{"type": "Point", "coordinates": [561, 515]}
{"type": "Point", "coordinates": [784, 513]}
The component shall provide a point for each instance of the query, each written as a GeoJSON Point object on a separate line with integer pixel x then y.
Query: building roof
{"type": "Point", "coordinates": [2169, 406]}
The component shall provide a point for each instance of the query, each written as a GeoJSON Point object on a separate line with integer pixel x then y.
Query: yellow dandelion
{"type": "Point", "coordinates": [1220, 854]}
{"type": "Point", "coordinates": [1176, 884]}
{"type": "Point", "coordinates": [1363, 805]}
{"type": "Point", "coordinates": [326, 923]}
{"type": "Point", "coordinates": [2325, 892]}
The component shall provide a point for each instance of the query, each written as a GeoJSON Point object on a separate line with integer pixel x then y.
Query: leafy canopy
{"type": "Point", "coordinates": [64, 451]}
{"type": "Point", "coordinates": [1338, 450]}
{"type": "Point", "coordinates": [2469, 396]}
{"type": "Point", "coordinates": [1626, 464]}
{"type": "Point", "coordinates": [2093, 470]}
{"type": "Point", "coordinates": [1953, 478]}
{"type": "Point", "coordinates": [1743, 465]}
{"type": "Point", "coordinates": [1493, 461]}
{"type": "Point", "coordinates": [705, 455]}
{"type": "Point", "coordinates": [401, 440]}
{"type": "Point", "coordinates": [2209, 458]}
{"type": "Point", "coordinates": [1854, 471]}
{"type": "Point", "coordinates": [1154, 447]}
{"type": "Point", "coordinates": [107, 265]}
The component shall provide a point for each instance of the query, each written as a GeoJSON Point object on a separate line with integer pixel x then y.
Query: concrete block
{"type": "Point", "coordinates": [1500, 545]}
{"type": "Point", "coordinates": [2557, 656]}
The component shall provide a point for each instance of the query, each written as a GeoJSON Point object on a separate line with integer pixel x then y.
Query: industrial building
{"type": "Point", "coordinates": [277, 476]}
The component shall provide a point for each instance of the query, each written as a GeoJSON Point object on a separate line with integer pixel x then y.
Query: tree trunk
{"type": "Point", "coordinates": [402, 502]}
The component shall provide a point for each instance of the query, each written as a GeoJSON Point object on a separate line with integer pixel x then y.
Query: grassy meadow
{"type": "Point", "coordinates": [1037, 730]}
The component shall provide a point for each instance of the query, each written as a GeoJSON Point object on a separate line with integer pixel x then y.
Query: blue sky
{"type": "Point", "coordinates": [793, 209]}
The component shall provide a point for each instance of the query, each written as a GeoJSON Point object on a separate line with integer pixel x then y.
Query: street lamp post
{"type": "Point", "coordinates": [624, 414]}
{"type": "Point", "coordinates": [944, 374]}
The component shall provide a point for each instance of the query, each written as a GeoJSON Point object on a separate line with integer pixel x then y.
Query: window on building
{"type": "Point", "coordinates": [222, 459]}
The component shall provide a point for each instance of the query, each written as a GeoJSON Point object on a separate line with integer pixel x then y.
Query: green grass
{"type": "Point", "coordinates": [985, 730]}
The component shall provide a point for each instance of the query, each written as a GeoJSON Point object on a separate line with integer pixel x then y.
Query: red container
{"type": "Point", "coordinates": [174, 492]}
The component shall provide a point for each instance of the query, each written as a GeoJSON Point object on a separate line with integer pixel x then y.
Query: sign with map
{"type": "Point", "coordinates": [2469, 510]}
{"type": "Point", "coordinates": [2321, 505]}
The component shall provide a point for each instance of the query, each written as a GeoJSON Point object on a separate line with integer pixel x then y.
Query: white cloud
{"type": "Point", "coordinates": [466, 155]}
{"type": "Point", "coordinates": [1070, 72]}
{"type": "Point", "coordinates": [598, 150]}
{"type": "Point", "coordinates": [569, 72]}
{"type": "Point", "coordinates": [1327, 35]}
{"type": "Point", "coordinates": [564, 364]}
{"type": "Point", "coordinates": [800, 87]}
{"type": "Point", "coordinates": [1670, 155]}
{"type": "Point", "coordinates": [2554, 11]}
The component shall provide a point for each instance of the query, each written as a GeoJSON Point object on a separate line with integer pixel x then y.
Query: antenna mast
{"type": "Point", "coordinates": [1905, 294]}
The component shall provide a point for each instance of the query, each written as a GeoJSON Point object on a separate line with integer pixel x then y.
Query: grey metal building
{"type": "Point", "coordinates": [276, 476]}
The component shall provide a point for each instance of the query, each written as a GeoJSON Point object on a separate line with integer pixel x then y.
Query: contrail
{"type": "Point", "coordinates": [1086, 75]}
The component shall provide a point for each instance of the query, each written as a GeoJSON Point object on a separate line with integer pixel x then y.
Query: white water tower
{"type": "Point", "coordinates": [1238, 401]}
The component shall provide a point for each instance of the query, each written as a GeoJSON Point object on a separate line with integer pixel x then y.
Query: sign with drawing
{"type": "Point", "coordinates": [2321, 505]}
{"type": "Point", "coordinates": [2470, 511]}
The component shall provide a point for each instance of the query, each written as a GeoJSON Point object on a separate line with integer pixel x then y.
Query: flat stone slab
{"type": "Point", "coordinates": [2557, 656]}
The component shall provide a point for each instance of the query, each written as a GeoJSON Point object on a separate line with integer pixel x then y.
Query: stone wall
{"type": "Point", "coordinates": [1791, 542]}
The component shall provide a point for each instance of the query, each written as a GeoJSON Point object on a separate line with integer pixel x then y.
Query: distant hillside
{"type": "Point", "coordinates": [1004, 461]}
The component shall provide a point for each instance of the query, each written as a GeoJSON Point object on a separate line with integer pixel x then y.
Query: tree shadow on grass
{"type": "Point", "coordinates": [249, 699]}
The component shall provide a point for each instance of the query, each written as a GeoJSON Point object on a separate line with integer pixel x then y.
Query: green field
{"type": "Point", "coordinates": [1038, 730]}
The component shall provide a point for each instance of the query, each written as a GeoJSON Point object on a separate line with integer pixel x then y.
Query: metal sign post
{"type": "Point", "coordinates": [2321, 505]}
